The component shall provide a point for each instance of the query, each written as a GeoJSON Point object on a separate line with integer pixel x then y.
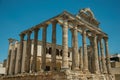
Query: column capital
{"type": "Point", "coordinates": [99, 37]}
{"type": "Point", "coordinates": [83, 28]}
{"type": "Point", "coordinates": [74, 28]}
{"type": "Point", "coordinates": [105, 38]}
{"type": "Point", "coordinates": [90, 38]}
{"type": "Point", "coordinates": [21, 35]}
{"type": "Point", "coordinates": [29, 32]}
{"type": "Point", "coordinates": [94, 33]}
{"type": "Point", "coordinates": [83, 31]}
{"type": "Point", "coordinates": [44, 25]}
{"type": "Point", "coordinates": [11, 40]}
{"type": "Point", "coordinates": [36, 29]}
{"type": "Point", "coordinates": [65, 17]}
{"type": "Point", "coordinates": [54, 22]}
{"type": "Point", "coordinates": [71, 29]}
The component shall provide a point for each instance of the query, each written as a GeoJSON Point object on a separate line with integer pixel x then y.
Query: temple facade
{"type": "Point", "coordinates": [60, 62]}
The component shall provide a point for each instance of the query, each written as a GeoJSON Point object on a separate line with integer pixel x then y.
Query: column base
{"type": "Point", "coordinates": [104, 72]}
{"type": "Point", "coordinates": [96, 72]}
{"type": "Point", "coordinates": [76, 69]}
{"type": "Point", "coordinates": [86, 71]}
{"type": "Point", "coordinates": [64, 69]}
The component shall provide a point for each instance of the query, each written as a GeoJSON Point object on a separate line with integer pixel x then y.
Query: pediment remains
{"type": "Point", "coordinates": [87, 16]}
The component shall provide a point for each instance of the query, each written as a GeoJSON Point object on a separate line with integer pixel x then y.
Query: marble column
{"type": "Point", "coordinates": [89, 58]}
{"type": "Point", "coordinates": [73, 40]}
{"type": "Point", "coordinates": [44, 38]}
{"type": "Point", "coordinates": [75, 48]}
{"type": "Point", "coordinates": [107, 55]}
{"type": "Point", "coordinates": [80, 59]}
{"type": "Point", "coordinates": [14, 60]}
{"type": "Point", "coordinates": [102, 57]}
{"type": "Point", "coordinates": [34, 60]}
{"type": "Point", "coordinates": [53, 56]}
{"type": "Point", "coordinates": [28, 53]}
{"type": "Point", "coordinates": [9, 58]}
{"type": "Point", "coordinates": [96, 63]}
{"type": "Point", "coordinates": [65, 45]}
{"type": "Point", "coordinates": [21, 53]}
{"type": "Point", "coordinates": [99, 57]}
{"type": "Point", "coordinates": [91, 65]}
{"type": "Point", "coordinates": [85, 55]}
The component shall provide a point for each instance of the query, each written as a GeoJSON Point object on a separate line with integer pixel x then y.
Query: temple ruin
{"type": "Point", "coordinates": [40, 60]}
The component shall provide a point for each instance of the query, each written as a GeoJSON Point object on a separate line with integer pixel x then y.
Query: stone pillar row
{"type": "Point", "coordinates": [105, 66]}
{"type": "Point", "coordinates": [79, 57]}
{"type": "Point", "coordinates": [102, 56]}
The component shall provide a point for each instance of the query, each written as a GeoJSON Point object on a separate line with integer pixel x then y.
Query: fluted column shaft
{"type": "Point", "coordinates": [11, 60]}
{"type": "Point", "coordinates": [107, 55]}
{"type": "Point", "coordinates": [28, 53]}
{"type": "Point", "coordinates": [65, 45]}
{"type": "Point", "coordinates": [8, 64]}
{"type": "Point", "coordinates": [34, 61]}
{"type": "Point", "coordinates": [92, 57]}
{"type": "Point", "coordinates": [73, 40]}
{"type": "Point", "coordinates": [44, 34]}
{"type": "Point", "coordinates": [102, 57]}
{"type": "Point", "coordinates": [85, 55]}
{"type": "Point", "coordinates": [14, 60]}
{"type": "Point", "coordinates": [75, 49]}
{"type": "Point", "coordinates": [99, 59]}
{"type": "Point", "coordinates": [96, 63]}
{"type": "Point", "coordinates": [54, 45]}
{"type": "Point", "coordinates": [21, 53]}
{"type": "Point", "coordinates": [80, 59]}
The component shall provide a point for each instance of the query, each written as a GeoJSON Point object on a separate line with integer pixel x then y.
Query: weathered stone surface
{"type": "Point", "coordinates": [67, 75]}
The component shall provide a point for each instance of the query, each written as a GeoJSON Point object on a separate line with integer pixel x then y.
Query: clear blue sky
{"type": "Point", "coordinates": [18, 15]}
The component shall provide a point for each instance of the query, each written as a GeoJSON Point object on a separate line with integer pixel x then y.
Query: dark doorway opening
{"type": "Point", "coordinates": [47, 68]}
